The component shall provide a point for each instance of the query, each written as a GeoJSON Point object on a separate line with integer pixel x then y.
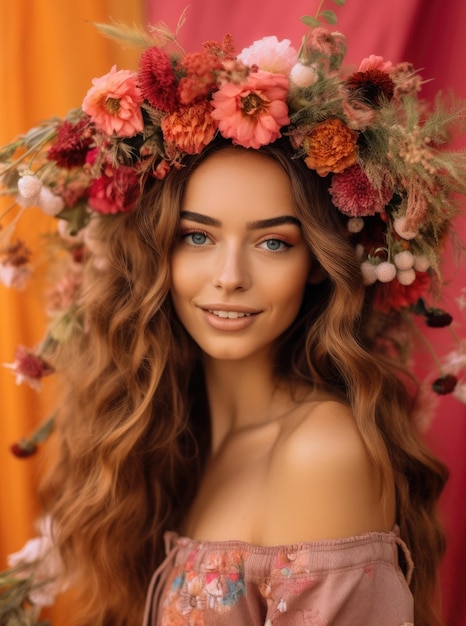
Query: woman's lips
{"type": "Point", "coordinates": [229, 319]}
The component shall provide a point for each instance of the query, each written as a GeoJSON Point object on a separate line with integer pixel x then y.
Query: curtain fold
{"type": "Point", "coordinates": [50, 52]}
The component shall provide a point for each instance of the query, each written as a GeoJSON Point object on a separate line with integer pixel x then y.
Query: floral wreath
{"type": "Point", "coordinates": [383, 150]}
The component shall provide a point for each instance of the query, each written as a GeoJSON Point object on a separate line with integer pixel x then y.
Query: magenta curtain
{"type": "Point", "coordinates": [432, 36]}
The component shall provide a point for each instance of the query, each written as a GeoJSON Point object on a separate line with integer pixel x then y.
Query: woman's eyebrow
{"type": "Point", "coordinates": [256, 225]}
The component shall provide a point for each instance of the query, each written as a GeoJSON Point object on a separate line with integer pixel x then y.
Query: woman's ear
{"type": "Point", "coordinates": [316, 274]}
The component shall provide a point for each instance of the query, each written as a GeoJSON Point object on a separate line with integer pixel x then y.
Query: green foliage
{"type": "Point", "coordinates": [329, 16]}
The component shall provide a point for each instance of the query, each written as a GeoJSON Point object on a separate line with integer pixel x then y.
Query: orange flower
{"type": "Point", "coordinates": [330, 147]}
{"type": "Point", "coordinates": [190, 128]}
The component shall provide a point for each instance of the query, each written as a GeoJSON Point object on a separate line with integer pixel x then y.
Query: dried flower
{"type": "Point", "coordinates": [189, 129]}
{"type": "Point", "coordinates": [445, 384]}
{"type": "Point", "coordinates": [113, 103]}
{"type": "Point", "coordinates": [270, 55]}
{"type": "Point", "coordinates": [71, 144]}
{"type": "Point", "coordinates": [29, 367]}
{"type": "Point", "coordinates": [404, 260]}
{"type": "Point", "coordinates": [406, 277]}
{"type": "Point", "coordinates": [157, 79]}
{"type": "Point", "coordinates": [117, 190]}
{"type": "Point", "coordinates": [385, 272]}
{"type": "Point", "coordinates": [201, 76]}
{"type": "Point", "coordinates": [459, 392]}
{"type": "Point", "coordinates": [353, 193]}
{"type": "Point", "coordinates": [437, 318]}
{"type": "Point", "coordinates": [16, 277]}
{"type": "Point", "coordinates": [373, 87]}
{"type": "Point", "coordinates": [251, 114]}
{"type": "Point", "coordinates": [23, 450]}
{"type": "Point", "coordinates": [330, 147]}
{"type": "Point", "coordinates": [326, 48]}
{"type": "Point", "coordinates": [406, 79]}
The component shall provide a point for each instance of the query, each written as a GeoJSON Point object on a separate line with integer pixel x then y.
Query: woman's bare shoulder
{"type": "Point", "coordinates": [322, 484]}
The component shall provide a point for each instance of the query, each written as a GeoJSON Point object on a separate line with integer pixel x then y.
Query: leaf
{"type": "Point", "coordinates": [329, 16]}
{"type": "Point", "coordinates": [340, 3]}
{"type": "Point", "coordinates": [310, 21]}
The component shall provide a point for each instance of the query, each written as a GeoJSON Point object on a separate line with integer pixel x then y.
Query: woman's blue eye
{"type": "Point", "coordinates": [196, 239]}
{"type": "Point", "coordinates": [274, 244]}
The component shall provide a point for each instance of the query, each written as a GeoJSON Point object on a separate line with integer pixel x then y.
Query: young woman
{"type": "Point", "coordinates": [226, 389]}
{"type": "Point", "coordinates": [236, 423]}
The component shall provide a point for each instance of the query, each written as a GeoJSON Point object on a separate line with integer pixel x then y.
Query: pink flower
{"type": "Point", "coordinates": [29, 367]}
{"type": "Point", "coordinates": [270, 54]}
{"type": "Point", "coordinates": [354, 195]}
{"type": "Point", "coordinates": [113, 103]}
{"type": "Point", "coordinates": [326, 48]}
{"type": "Point", "coordinates": [374, 62]}
{"type": "Point", "coordinates": [251, 114]}
{"type": "Point", "coordinates": [117, 190]}
{"type": "Point", "coordinates": [157, 79]}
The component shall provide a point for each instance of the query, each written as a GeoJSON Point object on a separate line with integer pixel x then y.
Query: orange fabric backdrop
{"type": "Point", "coordinates": [50, 52]}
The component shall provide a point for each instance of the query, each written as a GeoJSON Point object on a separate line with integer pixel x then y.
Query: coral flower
{"type": "Point", "coordinates": [252, 113]}
{"type": "Point", "coordinates": [201, 76]}
{"type": "Point", "coordinates": [353, 193]}
{"type": "Point", "coordinates": [113, 103]}
{"type": "Point", "coordinates": [270, 54]}
{"type": "Point", "coordinates": [157, 79]}
{"type": "Point", "coordinates": [115, 191]}
{"type": "Point", "coordinates": [191, 128]}
{"type": "Point", "coordinates": [330, 147]}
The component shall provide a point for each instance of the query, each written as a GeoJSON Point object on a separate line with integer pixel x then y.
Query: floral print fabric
{"type": "Point", "coordinates": [326, 583]}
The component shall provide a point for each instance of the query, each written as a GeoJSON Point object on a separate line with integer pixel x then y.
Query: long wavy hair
{"type": "Point", "coordinates": [134, 426]}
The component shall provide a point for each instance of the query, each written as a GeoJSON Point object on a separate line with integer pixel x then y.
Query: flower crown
{"type": "Point", "coordinates": [366, 129]}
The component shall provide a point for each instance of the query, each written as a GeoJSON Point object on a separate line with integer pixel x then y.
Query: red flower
{"type": "Point", "coordinates": [29, 367]}
{"type": "Point", "coordinates": [157, 80]}
{"type": "Point", "coordinates": [371, 87]}
{"type": "Point", "coordinates": [71, 144]}
{"type": "Point", "coordinates": [393, 295]}
{"type": "Point", "coordinates": [115, 191]}
{"type": "Point", "coordinates": [353, 193]}
{"type": "Point", "coordinates": [23, 450]}
{"type": "Point", "coordinates": [444, 384]}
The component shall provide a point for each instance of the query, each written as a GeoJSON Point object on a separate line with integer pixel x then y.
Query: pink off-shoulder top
{"type": "Point", "coordinates": [356, 581]}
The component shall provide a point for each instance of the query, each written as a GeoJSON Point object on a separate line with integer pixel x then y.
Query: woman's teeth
{"type": "Point", "coordinates": [231, 315]}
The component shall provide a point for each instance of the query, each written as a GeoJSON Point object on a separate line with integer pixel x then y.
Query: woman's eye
{"type": "Point", "coordinates": [274, 245]}
{"type": "Point", "coordinates": [196, 238]}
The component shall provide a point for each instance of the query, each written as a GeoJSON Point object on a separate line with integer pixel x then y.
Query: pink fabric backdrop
{"type": "Point", "coordinates": [431, 35]}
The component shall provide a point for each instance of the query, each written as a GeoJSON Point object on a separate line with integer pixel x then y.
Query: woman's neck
{"type": "Point", "coordinates": [243, 395]}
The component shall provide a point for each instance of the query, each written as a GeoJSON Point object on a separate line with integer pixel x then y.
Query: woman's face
{"type": "Point", "coordinates": [240, 266]}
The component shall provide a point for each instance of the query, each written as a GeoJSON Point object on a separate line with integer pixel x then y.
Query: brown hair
{"type": "Point", "coordinates": [133, 427]}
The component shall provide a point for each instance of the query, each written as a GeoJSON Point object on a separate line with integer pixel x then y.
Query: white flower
{"type": "Point", "coordinates": [14, 276]}
{"type": "Point", "coordinates": [455, 361]}
{"type": "Point", "coordinates": [49, 202]}
{"type": "Point", "coordinates": [421, 263]}
{"type": "Point", "coordinates": [399, 224]}
{"type": "Point", "coordinates": [270, 55]}
{"type": "Point", "coordinates": [404, 260]}
{"type": "Point", "coordinates": [368, 271]}
{"type": "Point", "coordinates": [355, 224]}
{"type": "Point", "coordinates": [303, 75]}
{"type": "Point", "coordinates": [29, 186]}
{"type": "Point", "coordinates": [459, 392]}
{"type": "Point", "coordinates": [385, 272]}
{"type": "Point", "coordinates": [282, 606]}
{"type": "Point", "coordinates": [39, 559]}
{"type": "Point", "coordinates": [406, 277]}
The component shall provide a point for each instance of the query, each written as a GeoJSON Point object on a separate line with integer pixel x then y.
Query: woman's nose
{"type": "Point", "coordinates": [231, 271]}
